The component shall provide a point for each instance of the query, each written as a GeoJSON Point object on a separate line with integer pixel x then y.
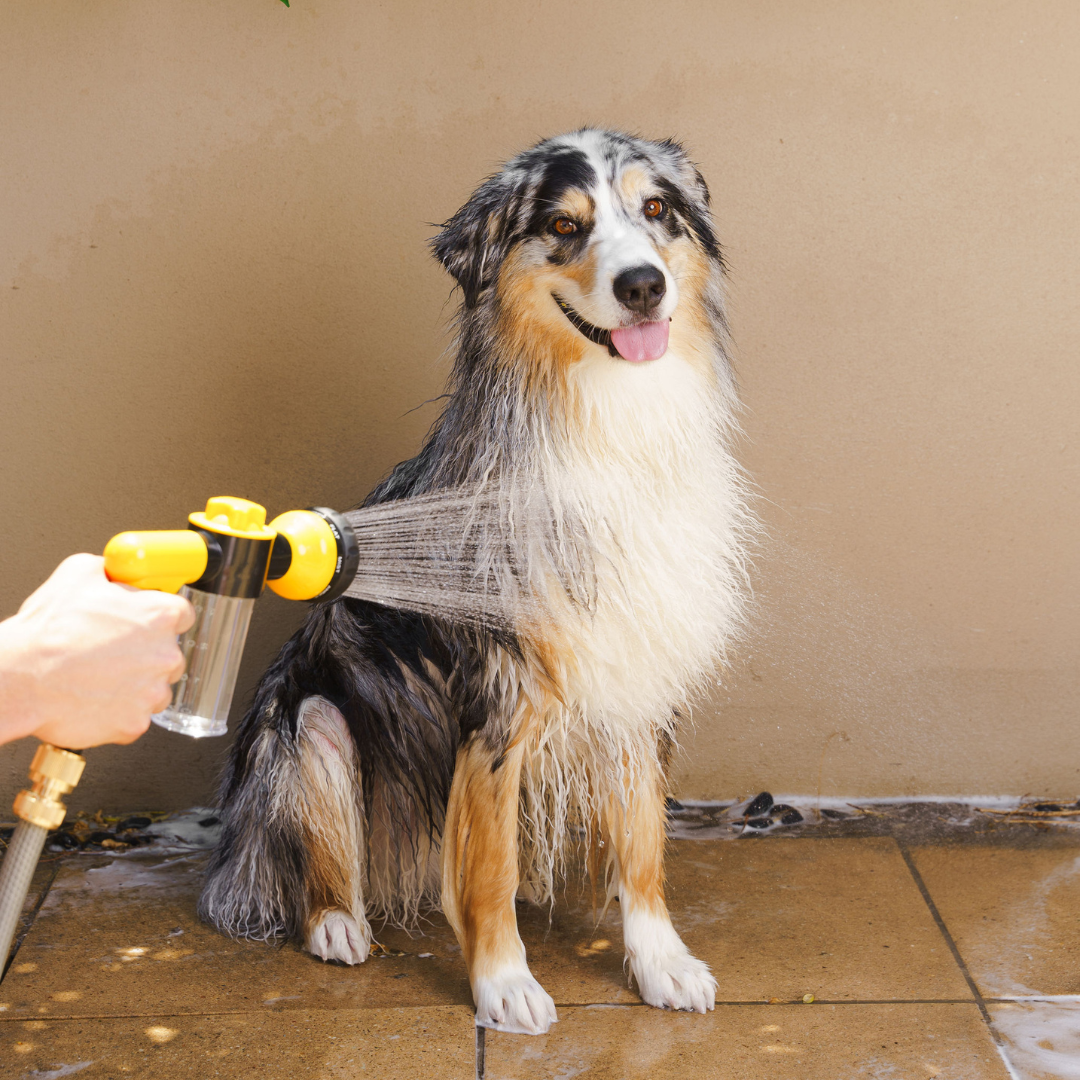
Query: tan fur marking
{"type": "Point", "coordinates": [635, 827]}
{"type": "Point", "coordinates": [633, 185]}
{"type": "Point", "coordinates": [480, 857]}
{"type": "Point", "coordinates": [582, 273]}
{"type": "Point", "coordinates": [691, 333]}
{"type": "Point", "coordinates": [536, 334]}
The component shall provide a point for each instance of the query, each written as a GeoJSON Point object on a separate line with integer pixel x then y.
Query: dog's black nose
{"type": "Point", "coordinates": [640, 288]}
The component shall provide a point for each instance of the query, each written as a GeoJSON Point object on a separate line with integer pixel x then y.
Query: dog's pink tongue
{"type": "Point", "coordinates": [647, 341]}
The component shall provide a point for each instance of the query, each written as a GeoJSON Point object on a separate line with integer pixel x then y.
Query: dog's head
{"type": "Point", "coordinates": [592, 237]}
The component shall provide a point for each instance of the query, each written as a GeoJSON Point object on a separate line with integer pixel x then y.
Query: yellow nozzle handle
{"type": "Point", "coordinates": [156, 560]}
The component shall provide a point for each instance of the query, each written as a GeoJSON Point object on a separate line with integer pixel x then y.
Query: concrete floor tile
{"type": "Point", "coordinates": [754, 1042]}
{"type": "Point", "coordinates": [839, 918]}
{"type": "Point", "coordinates": [309, 1045]}
{"type": "Point", "coordinates": [1042, 1038]}
{"type": "Point", "coordinates": [120, 936]}
{"type": "Point", "coordinates": [1013, 914]}
{"type": "Point", "coordinates": [777, 918]}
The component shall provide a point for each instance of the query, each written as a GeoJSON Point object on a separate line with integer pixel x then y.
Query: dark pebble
{"type": "Point", "coordinates": [673, 804]}
{"type": "Point", "coordinates": [97, 837]}
{"type": "Point", "coordinates": [133, 823]}
{"type": "Point", "coordinates": [208, 821]}
{"type": "Point", "coordinates": [760, 804]}
{"type": "Point", "coordinates": [791, 817]}
{"type": "Point", "coordinates": [64, 840]}
{"type": "Point", "coordinates": [834, 814]}
{"type": "Point", "coordinates": [1051, 806]}
{"type": "Point", "coordinates": [759, 822]}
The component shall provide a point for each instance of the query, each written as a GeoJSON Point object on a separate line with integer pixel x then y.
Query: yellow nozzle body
{"type": "Point", "coordinates": [313, 553]}
{"type": "Point", "coordinates": [53, 772]}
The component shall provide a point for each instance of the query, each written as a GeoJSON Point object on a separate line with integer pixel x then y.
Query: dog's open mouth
{"type": "Point", "coordinates": [646, 341]}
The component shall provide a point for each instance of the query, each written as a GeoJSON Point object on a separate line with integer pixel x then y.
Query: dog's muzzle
{"type": "Point", "coordinates": [593, 333]}
{"type": "Point", "coordinates": [642, 341]}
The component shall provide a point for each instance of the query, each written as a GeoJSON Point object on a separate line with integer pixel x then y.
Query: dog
{"type": "Point", "coordinates": [393, 762]}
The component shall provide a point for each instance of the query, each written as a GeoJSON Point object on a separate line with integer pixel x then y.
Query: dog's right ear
{"type": "Point", "coordinates": [474, 241]}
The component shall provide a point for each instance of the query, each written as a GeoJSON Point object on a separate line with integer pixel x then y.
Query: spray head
{"type": "Point", "coordinates": [221, 563]}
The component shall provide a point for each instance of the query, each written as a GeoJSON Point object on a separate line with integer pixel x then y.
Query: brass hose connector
{"type": "Point", "coordinates": [53, 773]}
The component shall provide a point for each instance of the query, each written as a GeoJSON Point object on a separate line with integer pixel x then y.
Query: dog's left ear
{"type": "Point", "coordinates": [474, 241]}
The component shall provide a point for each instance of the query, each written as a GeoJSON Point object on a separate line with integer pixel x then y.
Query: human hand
{"type": "Point", "coordinates": [87, 661]}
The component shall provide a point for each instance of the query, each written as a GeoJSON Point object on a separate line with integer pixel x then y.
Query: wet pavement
{"type": "Point", "coordinates": [872, 941]}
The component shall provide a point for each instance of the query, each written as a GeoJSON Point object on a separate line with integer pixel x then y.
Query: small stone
{"type": "Point", "coordinates": [133, 823]}
{"type": "Point", "coordinates": [791, 817]}
{"type": "Point", "coordinates": [759, 822]}
{"type": "Point", "coordinates": [760, 804]}
{"type": "Point", "coordinates": [1050, 807]}
{"type": "Point", "coordinates": [807, 999]}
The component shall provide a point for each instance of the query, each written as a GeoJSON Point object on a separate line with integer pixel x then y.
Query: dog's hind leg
{"type": "Point", "coordinates": [666, 974]}
{"type": "Point", "coordinates": [332, 825]}
{"type": "Point", "coordinates": [480, 881]}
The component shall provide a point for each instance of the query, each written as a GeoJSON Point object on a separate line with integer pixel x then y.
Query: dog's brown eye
{"type": "Point", "coordinates": [564, 226]}
{"type": "Point", "coordinates": [654, 208]}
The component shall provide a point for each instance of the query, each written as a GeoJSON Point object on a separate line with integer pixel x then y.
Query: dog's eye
{"type": "Point", "coordinates": [564, 226]}
{"type": "Point", "coordinates": [654, 208]}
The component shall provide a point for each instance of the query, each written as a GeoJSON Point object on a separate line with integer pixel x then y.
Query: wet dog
{"type": "Point", "coordinates": [392, 761]}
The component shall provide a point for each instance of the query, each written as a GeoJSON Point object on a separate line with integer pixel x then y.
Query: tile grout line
{"type": "Point", "coordinates": [481, 1045]}
{"type": "Point", "coordinates": [480, 1037]}
{"type": "Point", "coordinates": [944, 931]}
{"type": "Point", "coordinates": [995, 1037]}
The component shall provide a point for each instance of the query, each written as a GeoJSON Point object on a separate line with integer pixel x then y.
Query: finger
{"type": "Point", "coordinates": [162, 700]}
{"type": "Point", "coordinates": [82, 566]}
{"type": "Point", "coordinates": [133, 730]}
{"type": "Point", "coordinates": [186, 619]}
{"type": "Point", "coordinates": [177, 669]}
{"type": "Point", "coordinates": [172, 614]}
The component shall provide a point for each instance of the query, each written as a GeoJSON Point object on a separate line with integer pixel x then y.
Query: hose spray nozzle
{"type": "Point", "coordinates": [221, 563]}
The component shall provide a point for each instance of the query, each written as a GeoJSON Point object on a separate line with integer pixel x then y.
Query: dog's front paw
{"type": "Point", "coordinates": [675, 982]}
{"type": "Point", "coordinates": [336, 935]}
{"type": "Point", "coordinates": [666, 974]}
{"type": "Point", "coordinates": [512, 1000]}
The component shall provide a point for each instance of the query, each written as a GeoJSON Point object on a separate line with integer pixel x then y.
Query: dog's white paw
{"type": "Point", "coordinates": [666, 975]}
{"type": "Point", "coordinates": [512, 1000]}
{"type": "Point", "coordinates": [336, 935]}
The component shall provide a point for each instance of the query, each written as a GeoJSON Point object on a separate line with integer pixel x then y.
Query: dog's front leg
{"type": "Point", "coordinates": [665, 972]}
{"type": "Point", "coordinates": [479, 882]}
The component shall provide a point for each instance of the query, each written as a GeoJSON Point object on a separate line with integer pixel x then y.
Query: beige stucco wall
{"type": "Point", "coordinates": [213, 278]}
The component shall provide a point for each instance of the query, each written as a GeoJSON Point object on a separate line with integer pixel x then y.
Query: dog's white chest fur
{"type": "Point", "coordinates": [660, 496]}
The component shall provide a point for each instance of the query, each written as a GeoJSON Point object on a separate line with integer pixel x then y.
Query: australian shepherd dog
{"type": "Point", "coordinates": [393, 762]}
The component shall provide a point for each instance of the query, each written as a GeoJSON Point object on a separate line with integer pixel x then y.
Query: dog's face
{"type": "Point", "coordinates": [589, 239]}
